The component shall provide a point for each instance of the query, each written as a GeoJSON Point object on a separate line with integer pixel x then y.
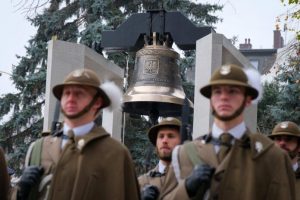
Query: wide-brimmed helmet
{"type": "Point", "coordinates": [82, 77]}
{"type": "Point", "coordinates": [166, 122]}
{"type": "Point", "coordinates": [229, 74]}
{"type": "Point", "coordinates": [287, 128]}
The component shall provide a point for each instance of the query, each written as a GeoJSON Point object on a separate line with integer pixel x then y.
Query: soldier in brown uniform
{"type": "Point", "coordinates": [81, 161]}
{"type": "Point", "coordinates": [231, 162]}
{"type": "Point", "coordinates": [4, 177]}
{"type": "Point", "coordinates": [286, 135]}
{"type": "Point", "coordinates": [164, 136]}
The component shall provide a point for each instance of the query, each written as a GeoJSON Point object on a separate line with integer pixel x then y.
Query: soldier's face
{"type": "Point", "coordinates": [287, 143]}
{"type": "Point", "coordinates": [228, 102]}
{"type": "Point", "coordinates": [167, 139]}
{"type": "Point", "coordinates": [75, 98]}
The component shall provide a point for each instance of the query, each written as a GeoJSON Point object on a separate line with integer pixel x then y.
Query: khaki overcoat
{"type": "Point", "coordinates": [49, 155]}
{"type": "Point", "coordinates": [95, 166]}
{"type": "Point", "coordinates": [150, 178]}
{"type": "Point", "coordinates": [159, 181]}
{"type": "Point", "coordinates": [254, 169]}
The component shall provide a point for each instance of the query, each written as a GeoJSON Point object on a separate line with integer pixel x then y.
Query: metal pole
{"type": "Point", "coordinates": [125, 86]}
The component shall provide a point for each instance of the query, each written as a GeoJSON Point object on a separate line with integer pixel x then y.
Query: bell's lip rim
{"type": "Point", "coordinates": [146, 98]}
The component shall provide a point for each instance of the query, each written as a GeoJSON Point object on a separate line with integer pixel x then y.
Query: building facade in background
{"type": "Point", "coordinates": [261, 59]}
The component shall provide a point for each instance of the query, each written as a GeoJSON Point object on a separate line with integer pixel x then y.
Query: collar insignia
{"type": "Point", "coordinates": [258, 147]}
{"type": "Point", "coordinates": [80, 144]}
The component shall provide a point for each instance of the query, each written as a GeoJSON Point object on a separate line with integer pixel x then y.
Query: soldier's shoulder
{"type": "Point", "coordinates": [260, 136]}
{"type": "Point", "coordinates": [146, 175]}
{"type": "Point", "coordinates": [199, 141]}
{"type": "Point", "coordinates": [144, 178]}
{"type": "Point", "coordinates": [261, 141]}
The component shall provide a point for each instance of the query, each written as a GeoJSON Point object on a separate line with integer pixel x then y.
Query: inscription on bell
{"type": "Point", "coordinates": [151, 66]}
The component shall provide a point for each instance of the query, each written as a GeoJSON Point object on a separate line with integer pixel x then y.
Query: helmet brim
{"type": "Point", "coordinates": [153, 131]}
{"type": "Point", "coordinates": [58, 90]}
{"type": "Point", "coordinates": [283, 134]}
{"type": "Point", "coordinates": [206, 90]}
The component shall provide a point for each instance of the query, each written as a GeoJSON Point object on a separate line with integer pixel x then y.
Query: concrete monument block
{"type": "Point", "coordinates": [64, 57]}
{"type": "Point", "coordinates": [212, 51]}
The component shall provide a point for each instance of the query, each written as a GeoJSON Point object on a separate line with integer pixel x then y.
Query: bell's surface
{"type": "Point", "coordinates": [156, 84]}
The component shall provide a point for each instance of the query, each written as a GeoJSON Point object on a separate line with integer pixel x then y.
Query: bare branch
{"type": "Point", "coordinates": [30, 7]}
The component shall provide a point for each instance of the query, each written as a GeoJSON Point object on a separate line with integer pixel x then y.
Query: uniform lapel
{"type": "Point", "coordinates": [207, 153]}
{"type": "Point", "coordinates": [224, 163]}
{"type": "Point", "coordinates": [96, 132]}
{"type": "Point", "coordinates": [53, 148]}
{"type": "Point", "coordinates": [258, 144]}
{"type": "Point", "coordinates": [169, 183]}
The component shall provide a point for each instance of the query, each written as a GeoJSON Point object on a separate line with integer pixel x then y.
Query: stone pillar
{"type": "Point", "coordinates": [64, 57]}
{"type": "Point", "coordinates": [212, 51]}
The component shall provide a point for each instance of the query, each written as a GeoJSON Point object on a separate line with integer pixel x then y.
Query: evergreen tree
{"type": "Point", "coordinates": [281, 98]}
{"type": "Point", "coordinates": [142, 150]}
{"type": "Point", "coordinates": [287, 107]}
{"type": "Point", "coordinates": [75, 21]}
{"type": "Point", "coordinates": [265, 121]}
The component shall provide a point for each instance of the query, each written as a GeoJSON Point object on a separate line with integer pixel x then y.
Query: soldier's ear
{"type": "Point", "coordinates": [248, 100]}
{"type": "Point", "coordinates": [98, 104]}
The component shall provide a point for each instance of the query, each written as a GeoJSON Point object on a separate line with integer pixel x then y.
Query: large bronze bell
{"type": "Point", "coordinates": [155, 85]}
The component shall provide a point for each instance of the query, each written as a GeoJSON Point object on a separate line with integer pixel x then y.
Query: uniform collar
{"type": "Point", "coordinates": [237, 132]}
{"type": "Point", "coordinates": [80, 130]}
{"type": "Point", "coordinates": [161, 167]}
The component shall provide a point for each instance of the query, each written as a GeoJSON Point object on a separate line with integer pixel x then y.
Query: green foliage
{"type": "Point", "coordinates": [76, 21]}
{"type": "Point", "coordinates": [265, 121]}
{"type": "Point", "coordinates": [142, 150]}
{"type": "Point", "coordinates": [281, 98]}
{"type": "Point", "coordinates": [187, 62]}
{"type": "Point", "coordinates": [287, 107]}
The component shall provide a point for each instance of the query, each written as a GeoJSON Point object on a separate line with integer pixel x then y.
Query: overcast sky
{"type": "Point", "coordinates": [254, 19]}
{"type": "Point", "coordinates": [14, 34]}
